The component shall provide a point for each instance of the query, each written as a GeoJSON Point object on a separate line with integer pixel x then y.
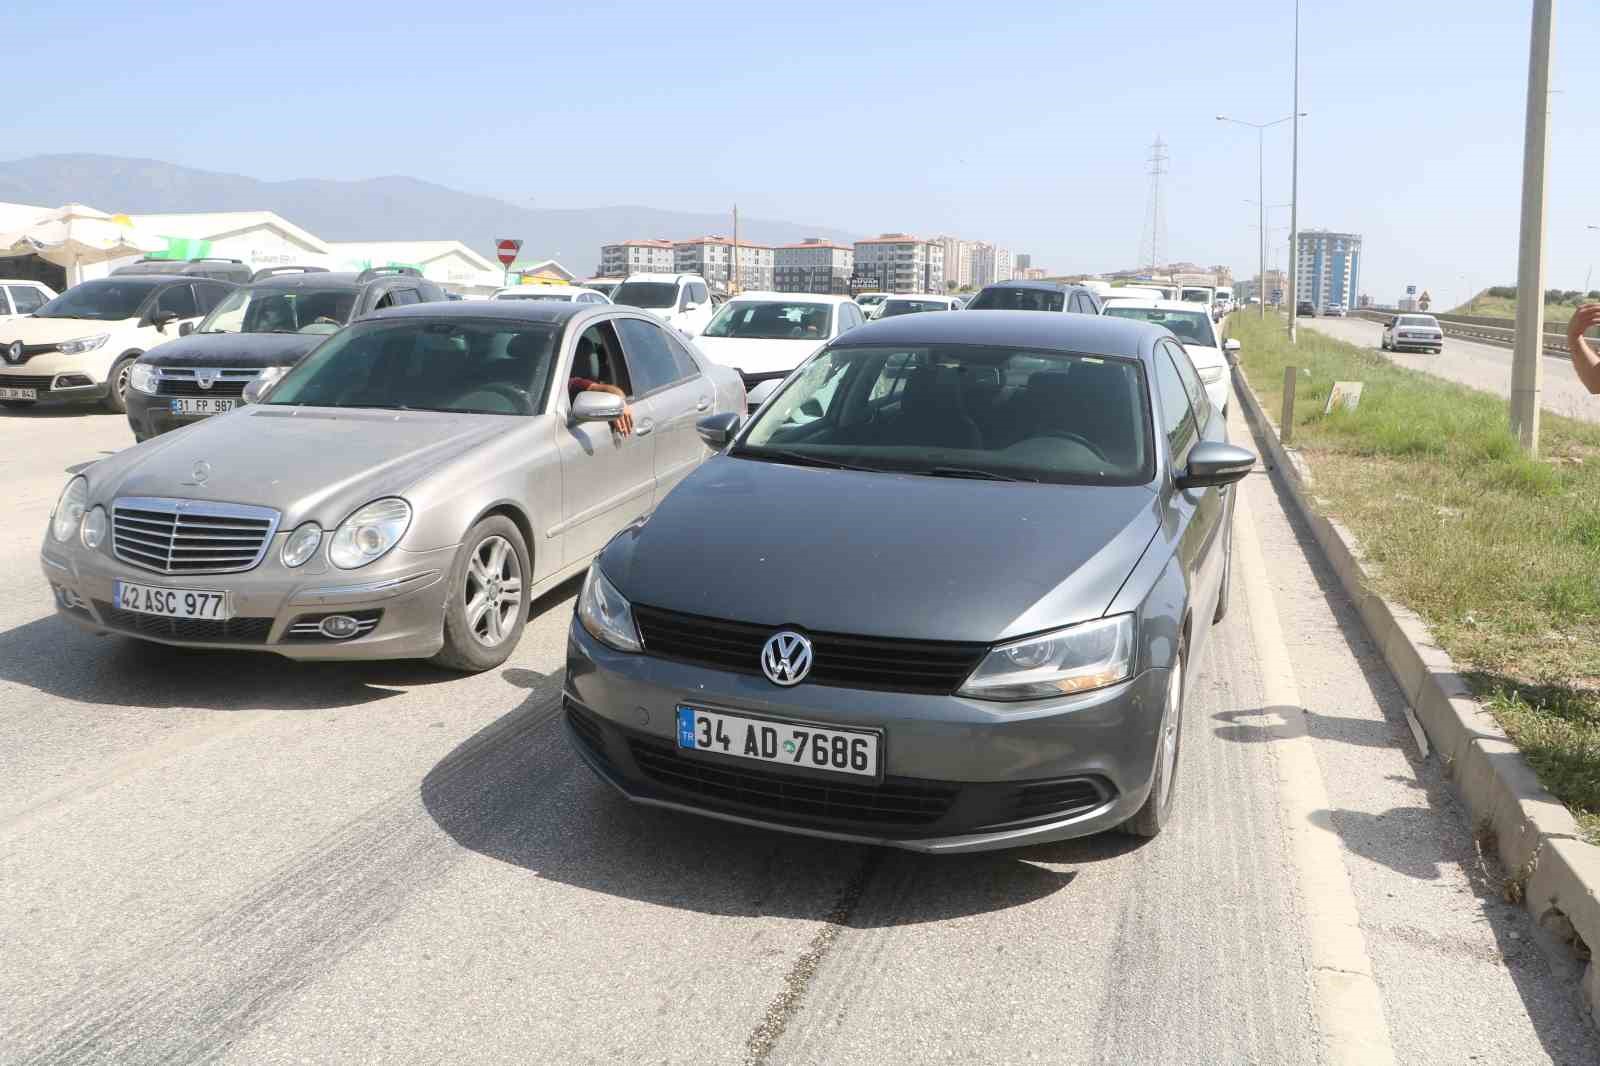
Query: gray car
{"type": "Point", "coordinates": [940, 594]}
{"type": "Point", "coordinates": [404, 492]}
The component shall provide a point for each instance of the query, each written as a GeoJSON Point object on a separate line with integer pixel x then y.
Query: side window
{"type": "Point", "coordinates": [179, 299]}
{"type": "Point", "coordinates": [386, 300]}
{"type": "Point", "coordinates": [687, 367]}
{"type": "Point", "coordinates": [406, 296]}
{"type": "Point", "coordinates": [650, 357]}
{"type": "Point", "coordinates": [598, 357]}
{"type": "Point", "coordinates": [27, 300]}
{"type": "Point", "coordinates": [1177, 420]}
{"type": "Point", "coordinates": [209, 294]}
{"type": "Point", "coordinates": [1198, 400]}
{"type": "Point", "coordinates": [697, 292]}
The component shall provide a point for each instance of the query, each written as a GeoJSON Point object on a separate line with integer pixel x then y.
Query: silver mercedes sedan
{"type": "Point", "coordinates": [405, 492]}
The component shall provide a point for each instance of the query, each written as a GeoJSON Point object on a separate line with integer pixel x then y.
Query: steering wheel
{"type": "Point", "coordinates": [520, 399]}
{"type": "Point", "coordinates": [1076, 439]}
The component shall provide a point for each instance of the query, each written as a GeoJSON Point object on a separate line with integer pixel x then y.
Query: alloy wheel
{"type": "Point", "coordinates": [1169, 732]}
{"type": "Point", "coordinates": [493, 591]}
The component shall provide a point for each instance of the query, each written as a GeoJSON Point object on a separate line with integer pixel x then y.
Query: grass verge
{"type": "Point", "coordinates": [1555, 314]}
{"type": "Point", "coordinates": [1497, 552]}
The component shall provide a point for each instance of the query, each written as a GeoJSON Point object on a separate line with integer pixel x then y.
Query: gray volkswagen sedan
{"type": "Point", "coordinates": [404, 492]}
{"type": "Point", "coordinates": [942, 593]}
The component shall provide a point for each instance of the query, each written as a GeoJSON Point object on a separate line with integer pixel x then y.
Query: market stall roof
{"type": "Point", "coordinates": [75, 235]}
{"type": "Point", "coordinates": [218, 225]}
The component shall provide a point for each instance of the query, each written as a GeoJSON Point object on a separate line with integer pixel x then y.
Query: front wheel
{"type": "Point", "coordinates": [116, 400]}
{"type": "Point", "coordinates": [1157, 810]}
{"type": "Point", "coordinates": [488, 604]}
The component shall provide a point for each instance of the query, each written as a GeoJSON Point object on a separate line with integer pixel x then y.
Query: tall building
{"type": "Point", "coordinates": [982, 263]}
{"type": "Point", "coordinates": [813, 265]}
{"type": "Point", "coordinates": [1003, 269]}
{"type": "Point", "coordinates": [1328, 268]}
{"type": "Point", "coordinates": [957, 261]}
{"type": "Point", "coordinates": [635, 257]}
{"type": "Point", "coordinates": [900, 262]}
{"type": "Point", "coordinates": [710, 258]}
{"type": "Point", "coordinates": [1022, 261]}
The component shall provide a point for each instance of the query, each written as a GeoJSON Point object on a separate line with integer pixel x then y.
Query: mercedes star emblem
{"type": "Point", "coordinates": [786, 658]}
{"type": "Point", "coordinates": [201, 471]}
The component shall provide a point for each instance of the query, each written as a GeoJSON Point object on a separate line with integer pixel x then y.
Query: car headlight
{"type": "Point", "coordinates": [143, 378]}
{"type": "Point", "coordinates": [366, 535]}
{"type": "Point", "coordinates": [605, 614]}
{"type": "Point", "coordinates": [301, 545]}
{"type": "Point", "coordinates": [93, 531]}
{"type": "Point", "coordinates": [69, 510]}
{"type": "Point", "coordinates": [1061, 663]}
{"type": "Point", "coordinates": [1213, 374]}
{"type": "Point", "coordinates": [82, 344]}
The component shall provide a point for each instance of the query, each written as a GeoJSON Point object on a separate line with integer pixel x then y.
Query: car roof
{"type": "Point", "coordinates": [919, 296]}
{"type": "Point", "coordinates": [555, 312]}
{"type": "Point", "coordinates": [1158, 305]}
{"type": "Point", "coordinates": [322, 279]}
{"type": "Point", "coordinates": [573, 289]}
{"type": "Point", "coordinates": [1088, 334]}
{"type": "Point", "coordinates": [1038, 286]}
{"type": "Point", "coordinates": [789, 297]}
{"type": "Point", "coordinates": [671, 279]}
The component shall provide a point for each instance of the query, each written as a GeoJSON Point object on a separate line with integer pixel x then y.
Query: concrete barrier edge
{"type": "Point", "coordinates": [1550, 868]}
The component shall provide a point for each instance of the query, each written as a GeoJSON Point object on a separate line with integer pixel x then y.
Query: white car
{"type": "Point", "coordinates": [683, 301]}
{"type": "Point", "coordinates": [1421, 332]}
{"type": "Point", "coordinates": [871, 301]}
{"type": "Point", "coordinates": [1190, 323]}
{"type": "Point", "coordinates": [562, 293]}
{"type": "Point", "coordinates": [911, 305]}
{"type": "Point", "coordinates": [18, 298]}
{"type": "Point", "coordinates": [81, 346]}
{"type": "Point", "coordinates": [765, 335]}
{"type": "Point", "coordinates": [1334, 311]}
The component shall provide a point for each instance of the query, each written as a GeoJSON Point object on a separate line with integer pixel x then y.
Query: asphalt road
{"type": "Point", "coordinates": [1481, 366]}
{"type": "Point", "coordinates": [210, 857]}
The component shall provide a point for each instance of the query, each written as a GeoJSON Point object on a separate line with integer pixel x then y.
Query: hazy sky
{"type": "Point", "coordinates": [1026, 124]}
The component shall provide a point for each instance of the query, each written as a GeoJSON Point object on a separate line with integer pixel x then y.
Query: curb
{"type": "Point", "coordinates": [1533, 832]}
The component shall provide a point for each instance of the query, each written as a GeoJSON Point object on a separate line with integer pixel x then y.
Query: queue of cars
{"type": "Point", "coordinates": [938, 588]}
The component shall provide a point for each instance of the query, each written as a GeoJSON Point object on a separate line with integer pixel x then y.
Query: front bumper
{"type": "Point", "coordinates": [1425, 344]}
{"type": "Point", "coordinates": [84, 385]}
{"type": "Point", "coordinates": [151, 415]}
{"type": "Point", "coordinates": [960, 775]}
{"type": "Point", "coordinates": [399, 600]}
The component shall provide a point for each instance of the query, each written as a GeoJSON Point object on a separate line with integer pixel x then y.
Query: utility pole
{"type": "Point", "coordinates": [1294, 186]}
{"type": "Point", "coordinates": [733, 265]}
{"type": "Point", "coordinates": [1528, 354]}
{"type": "Point", "coordinates": [1158, 167]}
{"type": "Point", "coordinates": [1261, 186]}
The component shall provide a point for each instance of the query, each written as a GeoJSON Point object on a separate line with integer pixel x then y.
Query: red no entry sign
{"type": "Point", "coordinates": [508, 250]}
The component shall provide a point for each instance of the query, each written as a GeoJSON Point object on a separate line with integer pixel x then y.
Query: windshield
{"type": "Point", "coordinates": [647, 294]}
{"type": "Point", "coordinates": [962, 411]}
{"type": "Point", "coordinates": [1191, 327]}
{"type": "Point", "coordinates": [871, 301]}
{"type": "Point", "coordinates": [500, 368]}
{"type": "Point", "coordinates": [1418, 320]}
{"type": "Point", "coordinates": [106, 300]}
{"type": "Point", "coordinates": [273, 310]}
{"type": "Point", "coordinates": [911, 307]}
{"type": "Point", "coordinates": [771, 320]}
{"type": "Point", "coordinates": [999, 298]}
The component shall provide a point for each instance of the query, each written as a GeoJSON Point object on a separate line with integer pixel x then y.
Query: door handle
{"type": "Point", "coordinates": [702, 403]}
{"type": "Point", "coordinates": [643, 427]}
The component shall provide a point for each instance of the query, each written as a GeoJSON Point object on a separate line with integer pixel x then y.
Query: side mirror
{"type": "Point", "coordinates": [1231, 348]}
{"type": "Point", "coordinates": [162, 319]}
{"type": "Point", "coordinates": [597, 407]}
{"type": "Point", "coordinates": [718, 430]}
{"type": "Point", "coordinates": [185, 329]}
{"type": "Point", "coordinates": [1213, 463]}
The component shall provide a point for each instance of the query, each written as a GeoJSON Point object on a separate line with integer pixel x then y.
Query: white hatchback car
{"type": "Point", "coordinates": [572, 294]}
{"type": "Point", "coordinates": [765, 335]}
{"type": "Point", "coordinates": [81, 346]}
{"type": "Point", "coordinates": [1191, 324]}
{"type": "Point", "coordinates": [18, 298]}
{"type": "Point", "coordinates": [683, 301]}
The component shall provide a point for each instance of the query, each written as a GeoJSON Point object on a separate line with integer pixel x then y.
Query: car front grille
{"type": "Point", "coordinates": [182, 381]}
{"type": "Point", "coordinates": [190, 536]}
{"type": "Point", "coordinates": [199, 630]}
{"type": "Point", "coordinates": [41, 382]}
{"type": "Point", "coordinates": [895, 802]}
{"type": "Point", "coordinates": [838, 660]}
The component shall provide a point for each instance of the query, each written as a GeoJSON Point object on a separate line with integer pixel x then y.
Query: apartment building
{"type": "Point", "coordinates": [635, 257]}
{"type": "Point", "coordinates": [1328, 268]}
{"type": "Point", "coordinates": [711, 256]}
{"type": "Point", "coordinates": [813, 265]}
{"type": "Point", "coordinates": [900, 262]}
{"type": "Point", "coordinates": [957, 261]}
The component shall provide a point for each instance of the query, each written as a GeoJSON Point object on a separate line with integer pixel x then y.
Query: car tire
{"type": "Point", "coordinates": [116, 400]}
{"type": "Point", "coordinates": [17, 405]}
{"type": "Point", "coordinates": [1158, 806]}
{"type": "Point", "coordinates": [1227, 576]}
{"type": "Point", "coordinates": [482, 625]}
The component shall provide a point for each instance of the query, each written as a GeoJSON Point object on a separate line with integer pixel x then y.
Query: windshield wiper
{"type": "Point", "coordinates": [970, 472]}
{"type": "Point", "coordinates": [783, 455]}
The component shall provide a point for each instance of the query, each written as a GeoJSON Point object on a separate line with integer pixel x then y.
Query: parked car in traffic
{"type": "Point", "coordinates": [1195, 330]}
{"type": "Point", "coordinates": [765, 335]}
{"type": "Point", "coordinates": [1035, 296]}
{"type": "Point", "coordinates": [1335, 311]}
{"type": "Point", "coordinates": [406, 491]}
{"type": "Point", "coordinates": [682, 301]}
{"type": "Point", "coordinates": [1306, 308]}
{"type": "Point", "coordinates": [869, 301]}
{"type": "Point", "coordinates": [604, 286]}
{"type": "Point", "coordinates": [20, 297]}
{"type": "Point", "coordinates": [914, 305]}
{"type": "Point", "coordinates": [81, 346]}
{"type": "Point", "coordinates": [559, 293]}
{"type": "Point", "coordinates": [1416, 332]}
{"type": "Point", "coordinates": [235, 271]}
{"type": "Point", "coordinates": [943, 593]}
{"type": "Point", "coordinates": [258, 331]}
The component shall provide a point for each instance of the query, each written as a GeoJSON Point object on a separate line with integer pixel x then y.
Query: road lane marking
{"type": "Point", "coordinates": [1348, 1004]}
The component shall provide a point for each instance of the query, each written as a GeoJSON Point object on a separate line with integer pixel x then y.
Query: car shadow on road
{"type": "Point", "coordinates": [518, 793]}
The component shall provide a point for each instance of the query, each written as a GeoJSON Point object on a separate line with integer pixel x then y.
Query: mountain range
{"type": "Point", "coordinates": [373, 209]}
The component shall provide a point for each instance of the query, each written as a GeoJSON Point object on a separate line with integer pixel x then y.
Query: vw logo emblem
{"type": "Point", "coordinates": [14, 353]}
{"type": "Point", "coordinates": [786, 658]}
{"type": "Point", "coordinates": [206, 378]}
{"type": "Point", "coordinates": [201, 472]}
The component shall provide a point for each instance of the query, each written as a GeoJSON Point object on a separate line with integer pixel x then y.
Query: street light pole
{"type": "Point", "coordinates": [1587, 274]}
{"type": "Point", "coordinates": [1261, 194]}
{"type": "Point", "coordinates": [1527, 355]}
{"type": "Point", "coordinates": [1294, 187]}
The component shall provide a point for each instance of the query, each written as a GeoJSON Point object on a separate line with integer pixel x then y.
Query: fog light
{"type": "Point", "coordinates": [339, 627]}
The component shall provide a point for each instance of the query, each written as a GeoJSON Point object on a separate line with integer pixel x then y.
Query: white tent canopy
{"type": "Point", "coordinates": [74, 235]}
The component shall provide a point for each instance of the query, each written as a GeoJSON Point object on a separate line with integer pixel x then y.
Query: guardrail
{"type": "Point", "coordinates": [1480, 329]}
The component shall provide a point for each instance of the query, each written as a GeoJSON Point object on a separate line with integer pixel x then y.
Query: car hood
{"type": "Point", "coordinates": [239, 350]}
{"type": "Point", "coordinates": [31, 330]}
{"type": "Point", "coordinates": [891, 555]}
{"type": "Point", "coordinates": [758, 356]}
{"type": "Point", "coordinates": [308, 462]}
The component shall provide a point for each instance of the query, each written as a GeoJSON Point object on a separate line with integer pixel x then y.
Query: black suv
{"type": "Point", "coordinates": [217, 269]}
{"type": "Point", "coordinates": [1035, 296]}
{"type": "Point", "coordinates": [258, 330]}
